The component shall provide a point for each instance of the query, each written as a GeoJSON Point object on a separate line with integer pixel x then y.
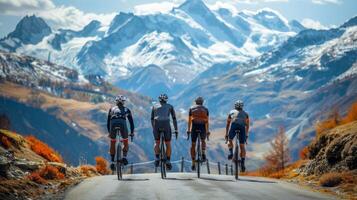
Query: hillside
{"type": "Point", "coordinates": [68, 114]}
{"type": "Point", "coordinates": [31, 169]}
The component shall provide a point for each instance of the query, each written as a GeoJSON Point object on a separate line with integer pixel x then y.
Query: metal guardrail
{"type": "Point", "coordinates": [227, 169]}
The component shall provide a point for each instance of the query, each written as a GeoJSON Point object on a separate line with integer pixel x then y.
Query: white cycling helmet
{"type": "Point", "coordinates": [163, 97]}
{"type": "Point", "coordinates": [120, 99]}
{"type": "Point", "coordinates": [238, 104]}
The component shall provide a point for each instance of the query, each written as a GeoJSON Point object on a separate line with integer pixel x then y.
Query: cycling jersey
{"type": "Point", "coordinates": [117, 116]}
{"type": "Point", "coordinates": [160, 120]}
{"type": "Point", "coordinates": [199, 114]}
{"type": "Point", "coordinates": [238, 117]}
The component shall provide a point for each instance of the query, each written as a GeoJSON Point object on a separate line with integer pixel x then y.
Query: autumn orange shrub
{"type": "Point", "coordinates": [331, 122]}
{"type": "Point", "coordinates": [43, 150]}
{"type": "Point", "coordinates": [88, 170]}
{"type": "Point", "coordinates": [101, 165]}
{"type": "Point", "coordinates": [5, 142]}
{"type": "Point", "coordinates": [51, 173]}
{"type": "Point", "coordinates": [304, 153]}
{"type": "Point", "coordinates": [351, 114]}
{"type": "Point", "coordinates": [35, 176]}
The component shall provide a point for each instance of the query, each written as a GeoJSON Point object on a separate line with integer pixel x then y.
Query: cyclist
{"type": "Point", "coordinates": [160, 119]}
{"type": "Point", "coordinates": [198, 120]}
{"type": "Point", "coordinates": [237, 119]}
{"type": "Point", "coordinates": [117, 118]}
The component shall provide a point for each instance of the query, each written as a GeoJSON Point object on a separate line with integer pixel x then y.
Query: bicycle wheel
{"type": "Point", "coordinates": [236, 161]}
{"type": "Point", "coordinates": [119, 164]}
{"type": "Point", "coordinates": [162, 159]}
{"type": "Point", "coordinates": [198, 161]}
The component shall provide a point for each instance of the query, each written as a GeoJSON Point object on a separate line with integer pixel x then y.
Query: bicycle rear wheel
{"type": "Point", "coordinates": [198, 161]}
{"type": "Point", "coordinates": [236, 161]}
{"type": "Point", "coordinates": [162, 159]}
{"type": "Point", "coordinates": [119, 163]}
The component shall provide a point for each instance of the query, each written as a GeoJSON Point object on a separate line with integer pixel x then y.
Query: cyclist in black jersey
{"type": "Point", "coordinates": [117, 116]}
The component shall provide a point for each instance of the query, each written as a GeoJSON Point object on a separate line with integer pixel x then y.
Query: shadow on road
{"type": "Point", "coordinates": [213, 179]}
{"type": "Point", "coordinates": [134, 179]}
{"type": "Point", "coordinates": [255, 181]}
{"type": "Point", "coordinates": [179, 179]}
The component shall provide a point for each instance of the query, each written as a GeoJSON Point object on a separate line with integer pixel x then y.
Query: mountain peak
{"type": "Point", "coordinates": [30, 30]}
{"type": "Point", "coordinates": [350, 22]}
{"type": "Point", "coordinates": [91, 28]}
{"type": "Point", "coordinates": [194, 5]}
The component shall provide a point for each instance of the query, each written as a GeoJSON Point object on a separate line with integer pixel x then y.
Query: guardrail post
{"type": "Point", "coordinates": [182, 163]}
{"type": "Point", "coordinates": [131, 169]}
{"type": "Point", "coordinates": [231, 169]}
{"type": "Point", "coordinates": [208, 170]}
{"type": "Point", "coordinates": [219, 168]}
{"type": "Point", "coordinates": [226, 169]}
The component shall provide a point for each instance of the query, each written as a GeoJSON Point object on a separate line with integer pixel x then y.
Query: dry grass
{"type": "Point", "coordinates": [331, 179]}
{"type": "Point", "coordinates": [5, 142]}
{"type": "Point", "coordinates": [51, 173]}
{"type": "Point", "coordinates": [335, 120]}
{"type": "Point", "coordinates": [101, 165]}
{"type": "Point", "coordinates": [88, 170]}
{"type": "Point", "coordinates": [43, 150]}
{"type": "Point", "coordinates": [35, 177]}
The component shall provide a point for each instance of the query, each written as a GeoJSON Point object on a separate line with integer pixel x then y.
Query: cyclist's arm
{"type": "Point", "coordinates": [173, 115]}
{"type": "Point", "coordinates": [108, 121]}
{"type": "Point", "coordinates": [152, 117]}
{"type": "Point", "coordinates": [189, 120]}
{"type": "Point", "coordinates": [131, 121]}
{"type": "Point", "coordinates": [207, 122]}
{"type": "Point", "coordinates": [228, 124]}
{"type": "Point", "coordinates": [247, 126]}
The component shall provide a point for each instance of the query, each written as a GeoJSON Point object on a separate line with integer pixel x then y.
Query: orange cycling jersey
{"type": "Point", "coordinates": [199, 114]}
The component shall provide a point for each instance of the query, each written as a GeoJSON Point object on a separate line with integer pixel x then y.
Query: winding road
{"type": "Point", "coordinates": [187, 186]}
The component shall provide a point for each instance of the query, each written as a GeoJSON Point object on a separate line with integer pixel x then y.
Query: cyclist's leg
{"type": "Point", "coordinates": [231, 135]}
{"type": "Point", "coordinates": [124, 135]}
{"type": "Point", "coordinates": [203, 141]}
{"type": "Point", "coordinates": [193, 146]}
{"type": "Point", "coordinates": [242, 140]}
{"type": "Point", "coordinates": [167, 137]}
{"type": "Point", "coordinates": [156, 145]}
{"type": "Point", "coordinates": [112, 136]}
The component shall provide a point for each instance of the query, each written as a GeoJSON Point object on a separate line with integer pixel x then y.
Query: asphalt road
{"type": "Point", "coordinates": [186, 186]}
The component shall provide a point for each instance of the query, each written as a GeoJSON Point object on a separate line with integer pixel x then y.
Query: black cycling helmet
{"type": "Point", "coordinates": [199, 100]}
{"type": "Point", "coordinates": [239, 104]}
{"type": "Point", "coordinates": [163, 98]}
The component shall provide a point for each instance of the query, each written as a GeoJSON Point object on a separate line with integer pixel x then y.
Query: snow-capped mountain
{"type": "Point", "coordinates": [182, 43]}
{"type": "Point", "coordinates": [292, 85]}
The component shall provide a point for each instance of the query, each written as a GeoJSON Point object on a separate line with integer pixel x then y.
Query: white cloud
{"type": "Point", "coordinates": [152, 8]}
{"type": "Point", "coordinates": [321, 2]}
{"type": "Point", "coordinates": [313, 24]}
{"type": "Point", "coordinates": [59, 17]}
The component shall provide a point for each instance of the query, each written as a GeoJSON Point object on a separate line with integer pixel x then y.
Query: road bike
{"type": "Point", "coordinates": [119, 152]}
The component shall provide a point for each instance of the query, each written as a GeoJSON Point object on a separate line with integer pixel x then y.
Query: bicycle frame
{"type": "Point", "coordinates": [119, 154]}
{"type": "Point", "coordinates": [162, 154]}
{"type": "Point", "coordinates": [236, 155]}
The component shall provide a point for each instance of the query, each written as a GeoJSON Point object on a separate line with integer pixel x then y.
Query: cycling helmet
{"type": "Point", "coordinates": [163, 97]}
{"type": "Point", "coordinates": [239, 104]}
{"type": "Point", "coordinates": [199, 100]}
{"type": "Point", "coordinates": [120, 99]}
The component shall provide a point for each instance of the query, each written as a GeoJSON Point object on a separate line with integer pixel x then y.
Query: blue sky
{"type": "Point", "coordinates": [76, 13]}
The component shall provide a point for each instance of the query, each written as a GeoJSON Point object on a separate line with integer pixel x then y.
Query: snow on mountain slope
{"type": "Point", "coordinates": [189, 39]}
{"type": "Point", "coordinates": [287, 86]}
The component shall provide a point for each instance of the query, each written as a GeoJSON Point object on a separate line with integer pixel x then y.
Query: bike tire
{"type": "Point", "coordinates": [198, 162]}
{"type": "Point", "coordinates": [236, 162]}
{"type": "Point", "coordinates": [162, 159]}
{"type": "Point", "coordinates": [119, 164]}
